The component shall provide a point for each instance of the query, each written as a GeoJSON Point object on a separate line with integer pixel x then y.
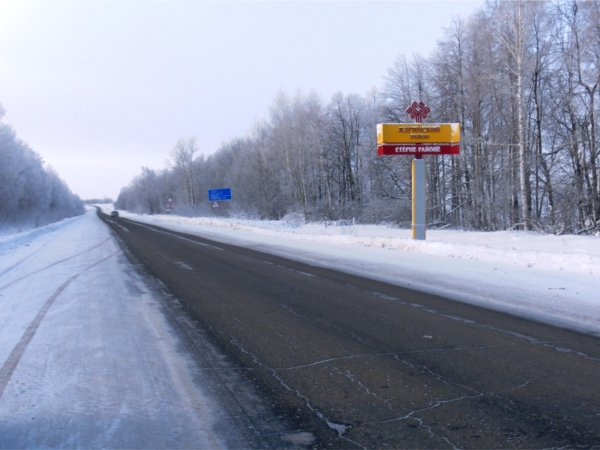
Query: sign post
{"type": "Point", "coordinates": [418, 139]}
{"type": "Point", "coordinates": [419, 199]}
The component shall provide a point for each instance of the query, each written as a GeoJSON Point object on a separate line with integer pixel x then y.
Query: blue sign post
{"type": "Point", "coordinates": [215, 195]}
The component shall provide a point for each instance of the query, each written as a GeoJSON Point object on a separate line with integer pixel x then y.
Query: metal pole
{"type": "Point", "coordinates": [419, 216]}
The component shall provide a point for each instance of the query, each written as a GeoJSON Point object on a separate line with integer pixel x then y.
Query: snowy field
{"type": "Point", "coordinates": [554, 279]}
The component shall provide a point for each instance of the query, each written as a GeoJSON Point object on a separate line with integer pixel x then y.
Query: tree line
{"type": "Point", "coordinates": [30, 194]}
{"type": "Point", "coordinates": [522, 79]}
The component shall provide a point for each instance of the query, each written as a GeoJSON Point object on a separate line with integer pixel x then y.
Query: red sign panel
{"type": "Point", "coordinates": [418, 149]}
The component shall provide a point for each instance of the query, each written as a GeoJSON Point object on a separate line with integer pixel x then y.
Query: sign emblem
{"type": "Point", "coordinates": [418, 111]}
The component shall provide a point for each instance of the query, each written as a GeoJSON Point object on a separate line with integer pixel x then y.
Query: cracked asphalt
{"type": "Point", "coordinates": [364, 364]}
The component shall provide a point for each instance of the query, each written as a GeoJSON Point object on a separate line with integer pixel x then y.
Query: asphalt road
{"type": "Point", "coordinates": [364, 364]}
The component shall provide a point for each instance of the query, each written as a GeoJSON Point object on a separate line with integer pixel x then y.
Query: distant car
{"type": "Point", "coordinates": [114, 214]}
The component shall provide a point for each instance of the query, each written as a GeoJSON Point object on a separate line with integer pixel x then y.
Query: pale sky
{"type": "Point", "coordinates": [101, 88]}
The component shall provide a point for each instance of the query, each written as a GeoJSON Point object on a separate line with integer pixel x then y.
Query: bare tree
{"type": "Point", "coordinates": [182, 162]}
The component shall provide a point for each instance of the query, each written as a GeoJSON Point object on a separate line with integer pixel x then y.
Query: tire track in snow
{"type": "Point", "coordinates": [53, 264]}
{"type": "Point", "coordinates": [8, 269]}
{"type": "Point", "coordinates": [15, 356]}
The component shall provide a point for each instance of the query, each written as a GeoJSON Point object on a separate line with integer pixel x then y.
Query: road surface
{"type": "Point", "coordinates": [363, 364]}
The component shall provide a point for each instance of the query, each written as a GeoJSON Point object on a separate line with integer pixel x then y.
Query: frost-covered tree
{"type": "Point", "coordinates": [30, 194]}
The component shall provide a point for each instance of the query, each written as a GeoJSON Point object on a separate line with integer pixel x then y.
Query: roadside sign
{"type": "Point", "coordinates": [219, 194]}
{"type": "Point", "coordinates": [418, 139]}
{"type": "Point", "coordinates": [215, 205]}
{"type": "Point", "coordinates": [170, 207]}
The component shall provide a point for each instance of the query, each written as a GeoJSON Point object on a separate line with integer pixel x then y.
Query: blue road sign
{"type": "Point", "coordinates": [215, 195]}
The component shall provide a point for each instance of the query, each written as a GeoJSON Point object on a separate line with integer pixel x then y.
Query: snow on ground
{"type": "Point", "coordinates": [87, 359]}
{"type": "Point", "coordinates": [555, 279]}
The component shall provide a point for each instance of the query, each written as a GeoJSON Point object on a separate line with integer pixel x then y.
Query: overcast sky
{"type": "Point", "coordinates": [101, 88]}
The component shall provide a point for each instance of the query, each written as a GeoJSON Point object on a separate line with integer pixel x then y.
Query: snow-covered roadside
{"type": "Point", "coordinates": [555, 279]}
{"type": "Point", "coordinates": [87, 359]}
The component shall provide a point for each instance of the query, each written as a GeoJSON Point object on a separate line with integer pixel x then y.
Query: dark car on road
{"type": "Point", "coordinates": [114, 214]}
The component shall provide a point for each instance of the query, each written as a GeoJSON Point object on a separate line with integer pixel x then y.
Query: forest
{"type": "Point", "coordinates": [31, 195]}
{"type": "Point", "coordinates": [522, 79]}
